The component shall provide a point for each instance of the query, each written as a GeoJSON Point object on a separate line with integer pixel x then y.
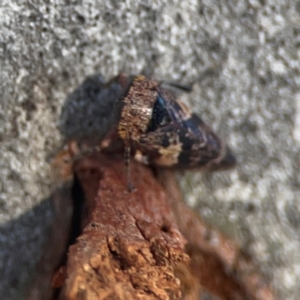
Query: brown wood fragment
{"type": "Point", "coordinates": [147, 244]}
{"type": "Point", "coordinates": [130, 244]}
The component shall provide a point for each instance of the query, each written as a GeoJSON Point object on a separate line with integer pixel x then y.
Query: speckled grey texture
{"type": "Point", "coordinates": [244, 59]}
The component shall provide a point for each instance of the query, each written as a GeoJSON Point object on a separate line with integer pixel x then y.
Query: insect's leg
{"type": "Point", "coordinates": [127, 153]}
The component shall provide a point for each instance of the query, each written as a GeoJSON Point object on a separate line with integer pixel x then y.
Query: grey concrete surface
{"type": "Point", "coordinates": [244, 57]}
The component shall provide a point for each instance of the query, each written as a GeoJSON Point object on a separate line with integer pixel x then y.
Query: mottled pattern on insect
{"type": "Point", "coordinates": [161, 130]}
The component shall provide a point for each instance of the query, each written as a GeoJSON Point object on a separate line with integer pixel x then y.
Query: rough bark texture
{"type": "Point", "coordinates": [244, 59]}
{"type": "Point", "coordinates": [130, 242]}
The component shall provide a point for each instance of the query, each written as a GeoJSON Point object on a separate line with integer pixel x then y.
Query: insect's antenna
{"type": "Point", "coordinates": [127, 153]}
{"type": "Point", "coordinates": [186, 88]}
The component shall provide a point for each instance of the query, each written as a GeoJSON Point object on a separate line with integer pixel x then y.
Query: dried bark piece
{"type": "Point", "coordinates": [130, 244]}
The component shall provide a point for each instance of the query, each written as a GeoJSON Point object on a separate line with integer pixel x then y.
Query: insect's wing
{"type": "Point", "coordinates": [202, 148]}
{"type": "Point", "coordinates": [188, 144]}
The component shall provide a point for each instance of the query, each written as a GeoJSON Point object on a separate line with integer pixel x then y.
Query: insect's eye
{"type": "Point", "coordinates": [160, 116]}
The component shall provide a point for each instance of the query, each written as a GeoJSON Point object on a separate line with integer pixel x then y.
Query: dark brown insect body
{"type": "Point", "coordinates": [162, 131]}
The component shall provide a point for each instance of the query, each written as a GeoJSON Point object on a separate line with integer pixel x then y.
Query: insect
{"type": "Point", "coordinates": [158, 129]}
{"type": "Point", "coordinates": [162, 131]}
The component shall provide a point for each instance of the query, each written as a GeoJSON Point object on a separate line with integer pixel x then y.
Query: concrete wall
{"type": "Point", "coordinates": [244, 58]}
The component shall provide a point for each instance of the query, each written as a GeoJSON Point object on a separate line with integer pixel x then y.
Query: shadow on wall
{"type": "Point", "coordinates": [21, 241]}
{"type": "Point", "coordinates": [90, 111]}
{"type": "Point", "coordinates": [34, 246]}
